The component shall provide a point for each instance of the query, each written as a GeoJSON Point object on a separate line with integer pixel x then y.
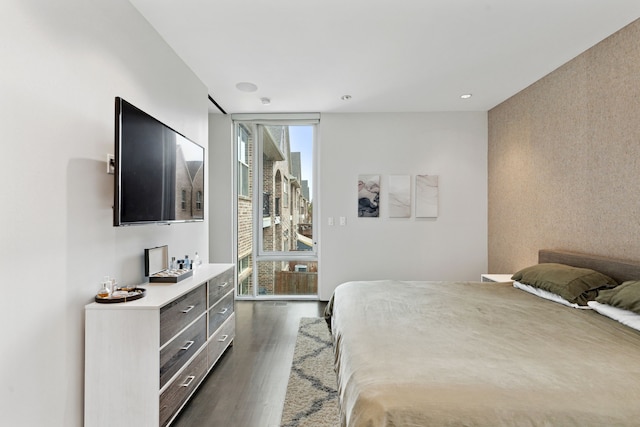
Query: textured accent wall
{"type": "Point", "coordinates": [564, 160]}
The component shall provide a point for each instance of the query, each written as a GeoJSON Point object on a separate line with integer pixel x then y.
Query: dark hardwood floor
{"type": "Point", "coordinates": [247, 386]}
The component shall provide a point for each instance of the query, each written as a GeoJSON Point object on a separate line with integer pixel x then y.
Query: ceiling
{"type": "Point", "coordinates": [388, 55]}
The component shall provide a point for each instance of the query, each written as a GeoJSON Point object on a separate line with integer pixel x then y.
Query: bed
{"type": "Point", "coordinates": [411, 353]}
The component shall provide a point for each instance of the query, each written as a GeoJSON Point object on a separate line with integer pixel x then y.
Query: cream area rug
{"type": "Point", "coordinates": [312, 397]}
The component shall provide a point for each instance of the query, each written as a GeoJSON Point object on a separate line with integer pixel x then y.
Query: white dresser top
{"type": "Point", "coordinates": [159, 294]}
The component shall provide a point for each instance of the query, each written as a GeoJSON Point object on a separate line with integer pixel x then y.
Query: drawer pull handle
{"type": "Point", "coordinates": [189, 380]}
{"type": "Point", "coordinates": [224, 310]}
{"type": "Point", "coordinates": [223, 338]}
{"type": "Point", "coordinates": [187, 345]}
{"type": "Point", "coordinates": [188, 309]}
{"type": "Point", "coordinates": [223, 285]}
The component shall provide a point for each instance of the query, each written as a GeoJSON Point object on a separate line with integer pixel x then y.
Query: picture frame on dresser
{"type": "Point", "coordinates": [144, 359]}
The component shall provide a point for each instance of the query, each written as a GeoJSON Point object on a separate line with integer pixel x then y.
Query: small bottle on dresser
{"type": "Point", "coordinates": [196, 261]}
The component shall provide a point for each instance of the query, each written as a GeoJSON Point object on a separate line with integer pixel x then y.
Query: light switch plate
{"type": "Point", "coordinates": [111, 164]}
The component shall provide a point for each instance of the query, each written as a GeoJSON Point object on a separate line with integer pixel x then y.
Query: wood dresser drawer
{"type": "Point", "coordinates": [176, 315]}
{"type": "Point", "coordinates": [220, 312]}
{"type": "Point", "coordinates": [221, 340]}
{"type": "Point", "coordinates": [184, 385]}
{"type": "Point", "coordinates": [175, 354]}
{"type": "Point", "coordinates": [220, 285]}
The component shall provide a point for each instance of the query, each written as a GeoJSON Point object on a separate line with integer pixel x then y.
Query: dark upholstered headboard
{"type": "Point", "coordinates": [618, 269]}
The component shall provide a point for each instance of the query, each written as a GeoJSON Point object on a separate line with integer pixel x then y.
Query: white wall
{"type": "Point", "coordinates": [63, 62]}
{"type": "Point", "coordinates": [451, 145]}
{"type": "Point", "coordinates": [221, 190]}
{"type": "Point", "coordinates": [451, 247]}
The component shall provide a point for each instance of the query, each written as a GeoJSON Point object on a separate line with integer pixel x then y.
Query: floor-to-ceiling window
{"type": "Point", "coordinates": [276, 239]}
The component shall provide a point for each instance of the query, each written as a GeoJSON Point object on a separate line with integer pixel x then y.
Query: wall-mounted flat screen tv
{"type": "Point", "coordinates": [159, 173]}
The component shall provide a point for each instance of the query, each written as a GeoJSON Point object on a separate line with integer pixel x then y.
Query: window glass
{"type": "Point", "coordinates": [243, 161]}
{"type": "Point", "coordinates": [276, 252]}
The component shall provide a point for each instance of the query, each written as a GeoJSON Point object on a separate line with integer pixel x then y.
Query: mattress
{"type": "Point", "coordinates": [478, 354]}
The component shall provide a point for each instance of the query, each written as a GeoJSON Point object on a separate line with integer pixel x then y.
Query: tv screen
{"type": "Point", "coordinates": [159, 173]}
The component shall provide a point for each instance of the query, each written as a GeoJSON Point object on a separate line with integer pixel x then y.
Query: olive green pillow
{"type": "Point", "coordinates": [576, 285]}
{"type": "Point", "coordinates": [625, 296]}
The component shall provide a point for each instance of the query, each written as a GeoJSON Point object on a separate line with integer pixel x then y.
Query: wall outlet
{"type": "Point", "coordinates": [111, 164]}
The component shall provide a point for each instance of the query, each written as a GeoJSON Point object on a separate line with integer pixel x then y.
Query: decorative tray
{"type": "Point", "coordinates": [130, 295]}
{"type": "Point", "coordinates": [170, 276]}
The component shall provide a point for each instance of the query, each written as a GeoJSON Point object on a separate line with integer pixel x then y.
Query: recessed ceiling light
{"type": "Point", "coordinates": [466, 96]}
{"type": "Point", "coordinates": [345, 97]}
{"type": "Point", "coordinates": [265, 101]}
{"type": "Point", "coordinates": [246, 87]}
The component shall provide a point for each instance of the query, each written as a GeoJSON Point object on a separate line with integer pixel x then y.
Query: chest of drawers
{"type": "Point", "coordinates": [145, 358]}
